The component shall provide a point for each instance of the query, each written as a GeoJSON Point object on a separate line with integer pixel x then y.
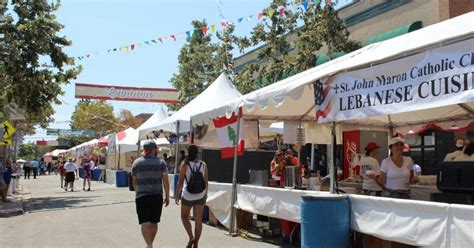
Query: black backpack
{"type": "Point", "coordinates": [195, 184]}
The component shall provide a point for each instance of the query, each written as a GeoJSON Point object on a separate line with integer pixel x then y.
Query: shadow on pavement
{"type": "Point", "coordinates": [56, 203]}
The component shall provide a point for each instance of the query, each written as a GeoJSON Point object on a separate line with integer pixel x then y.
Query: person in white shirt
{"type": "Point", "coordinates": [458, 152]}
{"type": "Point", "coordinates": [71, 171]}
{"type": "Point", "coordinates": [396, 172]}
{"type": "Point", "coordinates": [371, 170]}
{"type": "Point", "coordinates": [468, 154]}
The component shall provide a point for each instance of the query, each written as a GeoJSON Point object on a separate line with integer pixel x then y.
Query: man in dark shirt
{"type": "Point", "coordinates": [150, 176]}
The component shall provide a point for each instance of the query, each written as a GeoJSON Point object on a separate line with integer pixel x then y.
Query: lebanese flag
{"type": "Point", "coordinates": [227, 133]}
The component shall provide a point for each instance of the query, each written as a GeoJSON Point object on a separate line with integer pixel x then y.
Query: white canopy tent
{"type": "Point", "coordinates": [221, 90]}
{"type": "Point", "coordinates": [293, 98]}
{"type": "Point", "coordinates": [150, 124]}
{"type": "Point", "coordinates": [126, 140]}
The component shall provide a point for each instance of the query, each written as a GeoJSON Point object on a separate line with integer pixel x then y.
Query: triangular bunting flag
{"type": "Point", "coordinates": [115, 49]}
{"type": "Point", "coordinates": [132, 46]}
{"type": "Point", "coordinates": [147, 42]}
{"type": "Point", "coordinates": [259, 15]}
{"type": "Point", "coordinates": [224, 24]}
{"type": "Point", "coordinates": [204, 29]}
{"type": "Point", "coordinates": [160, 39]}
{"type": "Point", "coordinates": [305, 5]}
{"type": "Point", "coordinates": [271, 12]}
{"type": "Point", "coordinates": [281, 9]}
{"type": "Point", "coordinates": [213, 27]}
{"type": "Point", "coordinates": [88, 55]}
{"type": "Point", "coordinates": [173, 37]}
{"type": "Point", "coordinates": [154, 41]}
{"type": "Point", "coordinates": [249, 17]}
{"type": "Point", "coordinates": [80, 58]}
{"type": "Point", "coordinates": [240, 19]}
{"type": "Point", "coordinates": [188, 34]}
{"type": "Point", "coordinates": [126, 49]}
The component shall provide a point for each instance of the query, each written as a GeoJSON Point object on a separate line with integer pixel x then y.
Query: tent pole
{"type": "Point", "coordinates": [299, 149]}
{"type": "Point", "coordinates": [312, 157]}
{"type": "Point", "coordinates": [176, 161]}
{"type": "Point", "coordinates": [332, 166]}
{"type": "Point", "coordinates": [232, 231]}
{"type": "Point", "coordinates": [390, 126]}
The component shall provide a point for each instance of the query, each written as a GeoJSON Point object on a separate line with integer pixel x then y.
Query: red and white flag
{"type": "Point", "coordinates": [227, 134]}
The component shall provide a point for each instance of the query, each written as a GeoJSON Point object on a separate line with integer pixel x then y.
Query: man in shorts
{"type": "Point", "coordinates": [150, 176]}
{"type": "Point", "coordinates": [71, 172]}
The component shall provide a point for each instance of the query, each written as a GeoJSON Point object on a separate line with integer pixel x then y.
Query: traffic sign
{"type": "Point", "coordinates": [8, 130]}
{"type": "Point", "coordinates": [6, 142]}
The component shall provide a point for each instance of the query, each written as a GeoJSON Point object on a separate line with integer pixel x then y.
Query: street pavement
{"type": "Point", "coordinates": [103, 217]}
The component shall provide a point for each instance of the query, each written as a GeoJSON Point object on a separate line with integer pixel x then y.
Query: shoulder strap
{"type": "Point", "coordinates": [191, 169]}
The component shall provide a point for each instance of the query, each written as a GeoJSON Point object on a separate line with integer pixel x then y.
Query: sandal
{"type": "Point", "coordinates": [190, 243]}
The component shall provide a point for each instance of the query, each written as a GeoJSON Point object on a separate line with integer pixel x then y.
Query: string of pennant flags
{"type": "Point", "coordinates": [280, 10]}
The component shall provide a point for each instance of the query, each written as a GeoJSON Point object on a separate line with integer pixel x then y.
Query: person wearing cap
{"type": "Point", "coordinates": [71, 171]}
{"type": "Point", "coordinates": [458, 152]}
{"type": "Point", "coordinates": [396, 171]}
{"type": "Point", "coordinates": [149, 177]}
{"type": "Point", "coordinates": [371, 170]}
{"type": "Point", "coordinates": [277, 167]}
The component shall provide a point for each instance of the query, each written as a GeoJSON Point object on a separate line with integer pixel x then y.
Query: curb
{"type": "Point", "coordinates": [16, 206]}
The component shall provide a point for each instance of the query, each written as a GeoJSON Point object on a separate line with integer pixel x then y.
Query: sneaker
{"type": "Point", "coordinates": [89, 189]}
{"type": "Point", "coordinates": [72, 190]}
{"type": "Point", "coordinates": [65, 189]}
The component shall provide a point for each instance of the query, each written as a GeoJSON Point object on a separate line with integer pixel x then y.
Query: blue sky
{"type": "Point", "coordinates": [98, 25]}
{"type": "Point", "coordinates": [95, 26]}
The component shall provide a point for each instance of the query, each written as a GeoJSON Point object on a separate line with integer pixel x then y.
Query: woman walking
{"type": "Point", "coordinates": [192, 191]}
{"type": "Point", "coordinates": [86, 167]}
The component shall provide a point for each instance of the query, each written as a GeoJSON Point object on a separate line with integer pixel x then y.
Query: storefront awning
{"type": "Point", "coordinates": [394, 32]}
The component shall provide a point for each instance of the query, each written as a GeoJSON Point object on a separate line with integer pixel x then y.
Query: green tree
{"type": "Point", "coordinates": [273, 59]}
{"type": "Point", "coordinates": [198, 65]}
{"type": "Point", "coordinates": [29, 41]}
{"type": "Point", "coordinates": [127, 119]}
{"type": "Point", "coordinates": [28, 151]}
{"type": "Point", "coordinates": [96, 115]}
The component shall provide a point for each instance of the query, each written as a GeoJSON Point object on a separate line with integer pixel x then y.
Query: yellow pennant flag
{"type": "Point", "coordinates": [271, 12]}
{"type": "Point", "coordinates": [126, 49]}
{"type": "Point", "coordinates": [213, 27]}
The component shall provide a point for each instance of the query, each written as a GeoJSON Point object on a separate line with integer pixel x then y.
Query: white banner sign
{"type": "Point", "coordinates": [438, 77]}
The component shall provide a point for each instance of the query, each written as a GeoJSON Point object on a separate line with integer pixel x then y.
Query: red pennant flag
{"type": "Point", "coordinates": [160, 39]}
{"type": "Point", "coordinates": [121, 135]}
{"type": "Point", "coordinates": [204, 29]}
{"type": "Point", "coordinates": [328, 2]}
{"type": "Point", "coordinates": [281, 10]}
{"type": "Point", "coordinates": [173, 36]}
{"type": "Point", "coordinates": [224, 24]}
{"type": "Point", "coordinates": [132, 46]}
{"type": "Point", "coordinates": [259, 15]}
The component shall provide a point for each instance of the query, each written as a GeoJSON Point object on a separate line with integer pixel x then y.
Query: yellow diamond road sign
{"type": "Point", "coordinates": [6, 142]}
{"type": "Point", "coordinates": [8, 130]}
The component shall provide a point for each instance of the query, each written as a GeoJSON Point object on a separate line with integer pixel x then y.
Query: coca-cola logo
{"type": "Point", "coordinates": [113, 92]}
{"type": "Point", "coordinates": [351, 150]}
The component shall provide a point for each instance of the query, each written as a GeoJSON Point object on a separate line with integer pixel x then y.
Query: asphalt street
{"type": "Point", "coordinates": [103, 217]}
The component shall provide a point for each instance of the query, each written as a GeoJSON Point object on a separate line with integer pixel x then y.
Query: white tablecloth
{"type": "Point", "coordinates": [419, 223]}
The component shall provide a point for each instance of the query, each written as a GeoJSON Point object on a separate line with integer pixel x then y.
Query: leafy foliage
{"type": "Point", "coordinates": [96, 115]}
{"type": "Point", "coordinates": [127, 119]}
{"type": "Point", "coordinates": [29, 41]}
{"type": "Point", "coordinates": [199, 65]}
{"type": "Point", "coordinates": [28, 151]}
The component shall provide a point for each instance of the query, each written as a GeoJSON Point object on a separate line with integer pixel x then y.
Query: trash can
{"type": "Point", "coordinates": [96, 174]}
{"type": "Point", "coordinates": [130, 182]}
{"type": "Point", "coordinates": [325, 221]}
{"type": "Point", "coordinates": [121, 178]}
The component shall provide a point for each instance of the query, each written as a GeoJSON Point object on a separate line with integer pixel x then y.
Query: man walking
{"type": "Point", "coordinates": [35, 167]}
{"type": "Point", "coordinates": [71, 171]}
{"type": "Point", "coordinates": [150, 176]}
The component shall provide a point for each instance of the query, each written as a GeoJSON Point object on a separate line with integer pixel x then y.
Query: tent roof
{"type": "Point", "coordinates": [149, 125]}
{"type": "Point", "coordinates": [128, 136]}
{"type": "Point", "coordinates": [221, 90]}
{"type": "Point", "coordinates": [293, 98]}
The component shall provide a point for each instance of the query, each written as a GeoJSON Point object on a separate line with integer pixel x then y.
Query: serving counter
{"type": "Point", "coordinates": [412, 222]}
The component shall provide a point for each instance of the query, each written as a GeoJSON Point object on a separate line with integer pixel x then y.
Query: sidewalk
{"type": "Point", "coordinates": [15, 204]}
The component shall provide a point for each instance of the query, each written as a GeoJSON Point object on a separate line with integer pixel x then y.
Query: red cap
{"type": "Point", "coordinates": [406, 148]}
{"type": "Point", "coordinates": [371, 146]}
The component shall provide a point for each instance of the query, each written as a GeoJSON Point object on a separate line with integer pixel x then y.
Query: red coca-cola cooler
{"type": "Point", "coordinates": [354, 143]}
